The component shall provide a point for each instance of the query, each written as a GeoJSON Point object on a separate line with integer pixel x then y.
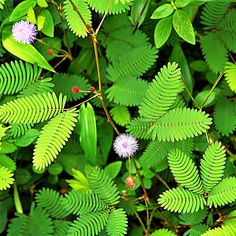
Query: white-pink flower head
{"type": "Point", "coordinates": [125, 145]}
{"type": "Point", "coordinates": [24, 32]}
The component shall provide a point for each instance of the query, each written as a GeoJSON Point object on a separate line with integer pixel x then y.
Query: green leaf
{"type": "Point", "coordinates": [31, 16]}
{"type": "Point", "coordinates": [183, 26]}
{"type": "Point", "coordinates": [48, 26]}
{"type": "Point", "coordinates": [162, 11]}
{"type": "Point", "coordinates": [25, 52]}
{"type": "Point", "coordinates": [162, 232]}
{"type": "Point", "coordinates": [42, 3]}
{"type": "Point", "coordinates": [113, 169]}
{"type": "Point", "coordinates": [137, 11]}
{"type": "Point", "coordinates": [177, 55]}
{"type": "Point", "coordinates": [181, 200]}
{"type": "Point", "coordinates": [182, 3]}
{"type": "Point", "coordinates": [22, 9]}
{"type": "Point", "coordinates": [28, 138]}
{"type": "Point", "coordinates": [80, 182]}
{"type": "Point", "coordinates": [120, 115]}
{"type": "Point", "coordinates": [22, 176]}
{"type": "Point", "coordinates": [88, 132]}
{"type": "Point", "coordinates": [185, 171]}
{"type": "Point", "coordinates": [75, 23]}
{"type": "Point", "coordinates": [6, 178]}
{"type": "Point", "coordinates": [40, 22]}
{"type": "Point", "coordinates": [162, 31]}
{"type": "Point", "coordinates": [223, 193]}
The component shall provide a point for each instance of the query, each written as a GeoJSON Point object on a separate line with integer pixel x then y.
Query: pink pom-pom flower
{"type": "Point", "coordinates": [125, 145]}
{"type": "Point", "coordinates": [24, 32]}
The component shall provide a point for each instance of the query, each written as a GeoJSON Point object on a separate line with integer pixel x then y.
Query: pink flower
{"type": "Point", "coordinates": [24, 32]}
{"type": "Point", "coordinates": [125, 145]}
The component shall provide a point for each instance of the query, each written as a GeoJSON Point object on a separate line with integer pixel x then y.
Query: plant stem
{"type": "Point", "coordinates": [141, 181]}
{"type": "Point", "coordinates": [187, 90]}
{"type": "Point", "coordinates": [79, 104]}
{"type": "Point", "coordinates": [140, 15]}
{"type": "Point", "coordinates": [17, 201]}
{"type": "Point", "coordinates": [212, 89]}
{"type": "Point", "coordinates": [103, 18]}
{"type": "Point", "coordinates": [161, 180]}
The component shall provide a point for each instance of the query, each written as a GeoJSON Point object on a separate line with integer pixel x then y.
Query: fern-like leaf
{"type": "Point", "coordinates": [16, 75]}
{"type": "Point", "coordinates": [224, 116]}
{"type": "Point", "coordinates": [18, 130]}
{"type": "Point", "coordinates": [196, 230]}
{"type": "Point", "coordinates": [213, 13]}
{"type": "Point", "coordinates": [162, 232]}
{"type": "Point", "coordinates": [2, 132]}
{"type": "Point", "coordinates": [193, 218]}
{"type": "Point", "coordinates": [122, 39]}
{"type": "Point", "coordinates": [230, 75]}
{"type": "Point", "coordinates": [213, 49]}
{"type": "Point", "coordinates": [212, 166]}
{"type": "Point", "coordinates": [177, 124]}
{"type": "Point", "coordinates": [117, 223]}
{"type": "Point", "coordinates": [120, 115]}
{"type": "Point", "coordinates": [185, 171]}
{"type": "Point", "coordinates": [7, 162]}
{"type": "Point", "coordinates": [89, 224]}
{"type": "Point", "coordinates": [32, 109]}
{"type": "Point", "coordinates": [227, 31]}
{"type": "Point", "coordinates": [51, 201]}
{"type": "Point", "coordinates": [53, 137]}
{"type": "Point", "coordinates": [76, 24]}
{"type": "Point", "coordinates": [18, 225]}
{"type": "Point", "coordinates": [6, 178]}
{"type": "Point", "coordinates": [102, 185]}
{"type": "Point", "coordinates": [133, 63]}
{"type": "Point", "coordinates": [82, 202]}
{"type": "Point", "coordinates": [127, 91]}
{"type": "Point", "coordinates": [39, 86]}
{"type": "Point", "coordinates": [224, 230]}
{"type": "Point", "coordinates": [60, 79]}
{"type": "Point", "coordinates": [155, 154]}
{"type": "Point", "coordinates": [102, 5]}
{"type": "Point", "coordinates": [40, 220]}
{"type": "Point", "coordinates": [60, 227]}
{"type": "Point", "coordinates": [223, 193]}
{"type": "Point", "coordinates": [181, 200]}
{"type": "Point", "coordinates": [162, 92]}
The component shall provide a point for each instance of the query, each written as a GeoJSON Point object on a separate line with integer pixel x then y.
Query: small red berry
{"type": "Point", "coordinates": [49, 51]}
{"type": "Point", "coordinates": [91, 89]}
{"type": "Point", "coordinates": [130, 182]}
{"type": "Point", "coordinates": [48, 1]}
{"type": "Point", "coordinates": [75, 89]}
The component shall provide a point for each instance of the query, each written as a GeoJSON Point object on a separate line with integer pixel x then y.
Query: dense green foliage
{"type": "Point", "coordinates": [163, 72]}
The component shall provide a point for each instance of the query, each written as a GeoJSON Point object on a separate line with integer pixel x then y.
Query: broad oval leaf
{"type": "Point", "coordinates": [162, 31]}
{"type": "Point", "coordinates": [26, 52]}
{"type": "Point", "coordinates": [162, 11]}
{"type": "Point", "coordinates": [183, 26]}
{"type": "Point", "coordinates": [22, 9]}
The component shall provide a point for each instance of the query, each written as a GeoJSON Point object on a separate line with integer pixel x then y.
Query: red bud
{"type": "Point", "coordinates": [75, 89]}
{"type": "Point", "coordinates": [130, 182]}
